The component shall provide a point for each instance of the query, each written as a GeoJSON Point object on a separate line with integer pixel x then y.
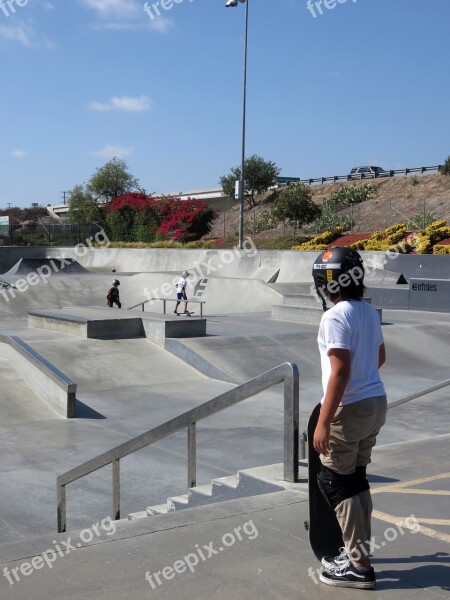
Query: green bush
{"type": "Point", "coordinates": [120, 224]}
{"type": "Point", "coordinates": [445, 169]}
{"type": "Point", "coordinates": [145, 224]}
{"type": "Point", "coordinates": [262, 222]}
{"type": "Point", "coordinates": [353, 194]}
{"type": "Point", "coordinates": [422, 220]}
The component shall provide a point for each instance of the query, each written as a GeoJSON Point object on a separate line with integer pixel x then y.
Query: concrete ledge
{"type": "Point", "coordinates": [300, 314]}
{"type": "Point", "coordinates": [429, 294]}
{"type": "Point", "coordinates": [159, 329]}
{"type": "Point", "coordinates": [100, 324]}
{"type": "Point", "coordinates": [49, 382]}
{"type": "Point", "coordinates": [392, 296]}
{"type": "Point", "coordinates": [106, 323]}
{"type": "Point", "coordinates": [300, 300]}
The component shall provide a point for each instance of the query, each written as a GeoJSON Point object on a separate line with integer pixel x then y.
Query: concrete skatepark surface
{"type": "Point", "coordinates": [128, 386]}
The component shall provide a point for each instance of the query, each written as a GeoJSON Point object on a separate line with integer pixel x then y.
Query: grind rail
{"type": "Point", "coordinates": [165, 300]}
{"type": "Point", "coordinates": [286, 373]}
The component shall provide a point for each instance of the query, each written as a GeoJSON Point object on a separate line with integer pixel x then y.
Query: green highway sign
{"type": "Point", "coordinates": [287, 179]}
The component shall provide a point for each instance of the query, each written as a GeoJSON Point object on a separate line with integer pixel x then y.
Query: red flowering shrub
{"type": "Point", "coordinates": [165, 217]}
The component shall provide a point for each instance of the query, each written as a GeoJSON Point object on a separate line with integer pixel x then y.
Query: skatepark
{"type": "Point", "coordinates": [80, 379]}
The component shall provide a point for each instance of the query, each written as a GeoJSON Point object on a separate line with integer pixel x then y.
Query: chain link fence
{"type": "Point", "coordinates": [46, 233]}
{"type": "Point", "coordinates": [365, 217]}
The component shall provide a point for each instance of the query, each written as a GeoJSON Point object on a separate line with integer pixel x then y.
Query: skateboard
{"type": "Point", "coordinates": [187, 314]}
{"type": "Point", "coordinates": [325, 535]}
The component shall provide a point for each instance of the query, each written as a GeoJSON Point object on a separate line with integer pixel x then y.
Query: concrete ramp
{"type": "Point", "coordinates": [55, 266]}
{"type": "Point", "coordinates": [220, 294]}
{"type": "Point", "coordinates": [376, 277]}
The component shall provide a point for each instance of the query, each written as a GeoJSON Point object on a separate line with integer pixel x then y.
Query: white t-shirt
{"type": "Point", "coordinates": [181, 285]}
{"type": "Point", "coordinates": [353, 325]}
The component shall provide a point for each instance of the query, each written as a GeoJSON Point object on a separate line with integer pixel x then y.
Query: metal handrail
{"type": "Point", "coordinates": [164, 300]}
{"type": "Point", "coordinates": [286, 373]}
{"type": "Point", "coordinates": [433, 388]}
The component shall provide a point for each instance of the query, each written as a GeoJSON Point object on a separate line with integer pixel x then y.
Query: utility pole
{"type": "Point", "coordinates": [10, 225]}
{"type": "Point", "coordinates": [64, 195]}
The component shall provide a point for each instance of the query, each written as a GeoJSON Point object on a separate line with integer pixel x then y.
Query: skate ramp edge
{"type": "Point", "coordinates": [44, 378]}
{"type": "Point", "coordinates": [54, 266]}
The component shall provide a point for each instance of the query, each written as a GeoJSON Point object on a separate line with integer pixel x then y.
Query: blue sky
{"type": "Point", "coordinates": [82, 80]}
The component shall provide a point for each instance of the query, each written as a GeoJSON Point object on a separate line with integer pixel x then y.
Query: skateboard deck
{"type": "Point", "coordinates": [325, 535]}
{"type": "Point", "coordinates": [186, 314]}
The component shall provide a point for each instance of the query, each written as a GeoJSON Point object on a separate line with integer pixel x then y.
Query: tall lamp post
{"type": "Point", "coordinates": [232, 4]}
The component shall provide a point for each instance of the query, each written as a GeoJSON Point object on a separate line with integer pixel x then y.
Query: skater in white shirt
{"type": "Point", "coordinates": [181, 293]}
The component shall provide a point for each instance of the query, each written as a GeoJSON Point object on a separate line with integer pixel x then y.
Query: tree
{"type": "Point", "coordinates": [112, 180]}
{"type": "Point", "coordinates": [445, 169]}
{"type": "Point", "coordinates": [83, 208]}
{"type": "Point", "coordinates": [108, 182]}
{"type": "Point", "coordinates": [295, 205]}
{"type": "Point", "coordinates": [259, 175]}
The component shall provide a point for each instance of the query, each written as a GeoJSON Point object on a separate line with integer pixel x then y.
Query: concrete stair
{"type": "Point", "coordinates": [242, 485]}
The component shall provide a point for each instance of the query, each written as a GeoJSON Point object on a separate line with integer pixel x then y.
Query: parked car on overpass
{"type": "Point", "coordinates": [368, 172]}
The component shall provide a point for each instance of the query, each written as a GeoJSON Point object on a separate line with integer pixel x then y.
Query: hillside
{"type": "Point", "coordinates": [398, 199]}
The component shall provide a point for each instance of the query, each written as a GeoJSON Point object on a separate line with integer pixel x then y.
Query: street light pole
{"type": "Point", "coordinates": [233, 3]}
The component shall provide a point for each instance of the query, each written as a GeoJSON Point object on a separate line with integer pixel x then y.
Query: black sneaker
{"type": "Point", "coordinates": [330, 563]}
{"type": "Point", "coordinates": [348, 575]}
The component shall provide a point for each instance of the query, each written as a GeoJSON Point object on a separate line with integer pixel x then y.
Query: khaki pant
{"type": "Point", "coordinates": [353, 434]}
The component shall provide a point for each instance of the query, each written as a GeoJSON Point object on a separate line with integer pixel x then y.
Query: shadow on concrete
{"type": "Point", "coordinates": [381, 478]}
{"type": "Point", "coordinates": [425, 576]}
{"type": "Point", "coordinates": [83, 411]}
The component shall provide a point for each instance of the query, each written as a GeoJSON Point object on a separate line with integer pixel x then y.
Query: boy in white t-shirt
{"type": "Point", "coordinates": [353, 409]}
{"type": "Point", "coordinates": [181, 292]}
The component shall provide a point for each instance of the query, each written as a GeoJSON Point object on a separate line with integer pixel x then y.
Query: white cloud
{"type": "Point", "coordinates": [19, 153]}
{"type": "Point", "coordinates": [15, 34]}
{"type": "Point", "coordinates": [125, 103]}
{"type": "Point", "coordinates": [118, 26]}
{"type": "Point", "coordinates": [125, 15]}
{"type": "Point", "coordinates": [127, 9]}
{"type": "Point", "coordinates": [110, 151]}
{"type": "Point", "coordinates": [25, 35]}
{"type": "Point", "coordinates": [162, 24]}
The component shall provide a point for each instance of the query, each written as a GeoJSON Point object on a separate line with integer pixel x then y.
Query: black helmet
{"type": "Point", "coordinates": [115, 282]}
{"type": "Point", "coordinates": [339, 270]}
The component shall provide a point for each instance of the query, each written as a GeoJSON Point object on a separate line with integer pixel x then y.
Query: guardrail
{"type": "Point", "coordinates": [359, 176]}
{"type": "Point", "coordinates": [286, 373]}
{"type": "Point", "coordinates": [164, 300]}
